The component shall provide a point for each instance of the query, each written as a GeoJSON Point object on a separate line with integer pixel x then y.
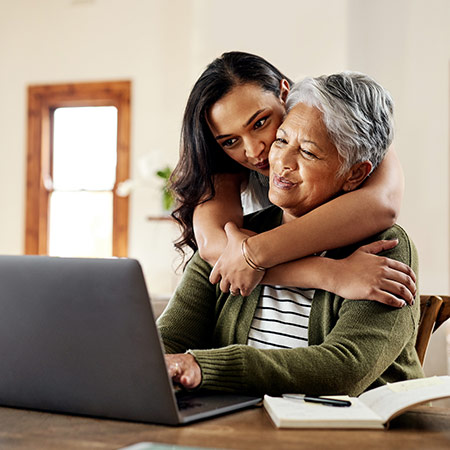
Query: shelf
{"type": "Point", "coordinates": [160, 218]}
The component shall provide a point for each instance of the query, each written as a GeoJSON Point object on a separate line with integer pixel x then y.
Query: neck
{"type": "Point", "coordinates": [287, 217]}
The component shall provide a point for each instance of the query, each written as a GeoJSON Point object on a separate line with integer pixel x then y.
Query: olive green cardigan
{"type": "Point", "coordinates": [352, 346]}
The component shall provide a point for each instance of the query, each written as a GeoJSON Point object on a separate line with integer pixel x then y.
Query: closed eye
{"type": "Point", "coordinates": [308, 154]}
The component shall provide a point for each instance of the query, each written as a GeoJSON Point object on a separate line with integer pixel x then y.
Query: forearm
{"type": "Point", "coordinates": [211, 239]}
{"type": "Point", "coordinates": [344, 220]}
{"type": "Point", "coordinates": [315, 232]}
{"type": "Point", "coordinates": [353, 356]}
{"type": "Point", "coordinates": [313, 272]}
{"type": "Point", "coordinates": [210, 217]}
{"type": "Point", "coordinates": [313, 370]}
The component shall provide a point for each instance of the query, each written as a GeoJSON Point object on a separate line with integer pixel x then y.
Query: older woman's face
{"type": "Point", "coordinates": [303, 163]}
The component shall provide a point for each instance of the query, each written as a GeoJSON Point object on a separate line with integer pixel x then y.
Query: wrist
{"type": "Point", "coordinates": [197, 370]}
{"type": "Point", "coordinates": [249, 258]}
{"type": "Point", "coordinates": [255, 249]}
{"type": "Point", "coordinates": [331, 274]}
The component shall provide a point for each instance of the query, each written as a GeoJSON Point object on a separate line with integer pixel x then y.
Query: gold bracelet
{"type": "Point", "coordinates": [248, 259]}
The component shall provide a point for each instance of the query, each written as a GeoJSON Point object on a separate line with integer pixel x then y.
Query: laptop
{"type": "Point", "coordinates": [78, 336]}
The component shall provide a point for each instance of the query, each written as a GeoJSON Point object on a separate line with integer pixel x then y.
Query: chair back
{"type": "Point", "coordinates": [444, 312]}
{"type": "Point", "coordinates": [434, 311]}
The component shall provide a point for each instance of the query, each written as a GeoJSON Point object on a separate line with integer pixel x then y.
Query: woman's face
{"type": "Point", "coordinates": [244, 123]}
{"type": "Point", "coordinates": [303, 163]}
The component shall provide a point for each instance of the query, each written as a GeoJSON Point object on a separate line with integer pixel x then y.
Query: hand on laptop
{"type": "Point", "coordinates": [184, 370]}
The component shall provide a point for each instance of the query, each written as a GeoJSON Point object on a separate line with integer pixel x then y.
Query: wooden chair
{"type": "Point", "coordinates": [434, 311]}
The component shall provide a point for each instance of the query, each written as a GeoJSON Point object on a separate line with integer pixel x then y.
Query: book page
{"type": "Point", "coordinates": [287, 412]}
{"type": "Point", "coordinates": [393, 399]}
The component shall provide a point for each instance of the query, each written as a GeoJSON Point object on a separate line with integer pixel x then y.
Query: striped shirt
{"type": "Point", "coordinates": [281, 318]}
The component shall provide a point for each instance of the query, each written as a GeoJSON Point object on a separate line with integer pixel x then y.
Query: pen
{"type": "Point", "coordinates": [321, 400]}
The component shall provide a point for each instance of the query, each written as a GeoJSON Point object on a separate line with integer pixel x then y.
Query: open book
{"type": "Point", "coordinates": [372, 409]}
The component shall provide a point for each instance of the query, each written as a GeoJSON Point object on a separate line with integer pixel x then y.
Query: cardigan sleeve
{"type": "Point", "coordinates": [367, 339]}
{"type": "Point", "coordinates": [365, 342]}
{"type": "Point", "coordinates": [187, 322]}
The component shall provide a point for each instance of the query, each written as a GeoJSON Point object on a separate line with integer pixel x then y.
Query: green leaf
{"type": "Point", "coordinates": [164, 173]}
{"type": "Point", "coordinates": [168, 200]}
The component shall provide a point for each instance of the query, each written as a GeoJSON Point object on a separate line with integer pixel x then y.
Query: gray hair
{"type": "Point", "coordinates": [357, 112]}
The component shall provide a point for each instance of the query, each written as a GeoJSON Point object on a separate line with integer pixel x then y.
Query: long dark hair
{"type": "Point", "coordinates": [201, 157]}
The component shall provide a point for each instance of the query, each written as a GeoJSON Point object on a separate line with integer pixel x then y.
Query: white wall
{"type": "Point", "coordinates": [406, 45]}
{"type": "Point", "coordinates": [163, 45]}
{"type": "Point", "coordinates": [53, 41]}
{"type": "Point", "coordinates": [301, 37]}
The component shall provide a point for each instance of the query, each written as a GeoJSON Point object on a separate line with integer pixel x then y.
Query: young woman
{"type": "Point", "coordinates": [230, 122]}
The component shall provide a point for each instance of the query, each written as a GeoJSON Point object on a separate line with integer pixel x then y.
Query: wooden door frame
{"type": "Point", "coordinates": [42, 101]}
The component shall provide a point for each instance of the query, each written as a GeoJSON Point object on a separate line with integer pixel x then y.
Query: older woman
{"type": "Point", "coordinates": [282, 339]}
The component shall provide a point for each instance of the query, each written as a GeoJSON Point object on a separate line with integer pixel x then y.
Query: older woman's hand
{"type": "Point", "coordinates": [184, 370]}
{"type": "Point", "coordinates": [231, 270]}
{"type": "Point", "coordinates": [364, 275]}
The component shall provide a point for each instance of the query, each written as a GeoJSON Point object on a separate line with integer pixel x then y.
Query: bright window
{"type": "Point", "coordinates": [84, 174]}
{"type": "Point", "coordinates": [78, 152]}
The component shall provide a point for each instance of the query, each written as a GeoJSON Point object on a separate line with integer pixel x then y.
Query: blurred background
{"type": "Point", "coordinates": [162, 46]}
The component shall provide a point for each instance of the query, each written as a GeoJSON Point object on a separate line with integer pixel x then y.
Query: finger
{"type": "Point", "coordinates": [174, 370]}
{"type": "Point", "coordinates": [379, 246]}
{"type": "Point", "coordinates": [230, 228]}
{"type": "Point", "coordinates": [245, 291]}
{"type": "Point", "coordinates": [191, 376]}
{"type": "Point", "coordinates": [402, 274]}
{"type": "Point", "coordinates": [214, 276]}
{"type": "Point", "coordinates": [234, 291]}
{"type": "Point", "coordinates": [224, 286]}
{"type": "Point", "coordinates": [187, 380]}
{"type": "Point", "coordinates": [392, 300]}
{"type": "Point", "coordinates": [388, 299]}
{"type": "Point", "coordinates": [250, 285]}
{"type": "Point", "coordinates": [405, 283]}
{"type": "Point", "coordinates": [399, 290]}
{"type": "Point", "coordinates": [401, 267]}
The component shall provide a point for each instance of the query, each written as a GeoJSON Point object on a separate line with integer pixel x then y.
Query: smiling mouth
{"type": "Point", "coordinates": [282, 183]}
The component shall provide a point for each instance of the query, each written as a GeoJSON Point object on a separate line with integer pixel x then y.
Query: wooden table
{"type": "Point", "coordinates": [422, 428]}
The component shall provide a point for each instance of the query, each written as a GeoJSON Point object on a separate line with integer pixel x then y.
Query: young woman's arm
{"type": "Point", "coordinates": [346, 219]}
{"type": "Point", "coordinates": [210, 217]}
{"type": "Point", "coordinates": [363, 274]}
{"type": "Point", "coordinates": [360, 275]}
